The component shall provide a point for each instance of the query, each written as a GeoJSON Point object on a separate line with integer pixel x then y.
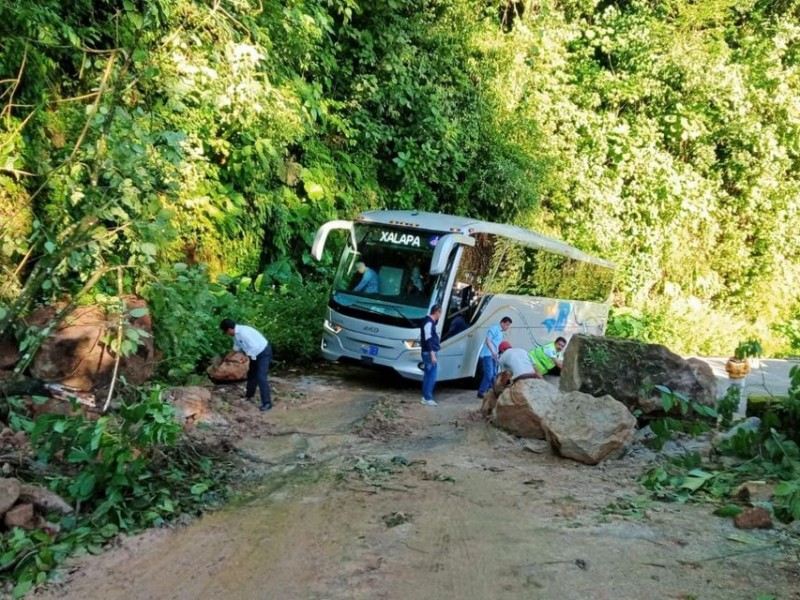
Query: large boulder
{"type": "Point", "coordinates": [628, 371]}
{"type": "Point", "coordinates": [75, 353]}
{"type": "Point", "coordinates": [231, 367]}
{"type": "Point", "coordinates": [588, 429]}
{"type": "Point", "coordinates": [521, 408]}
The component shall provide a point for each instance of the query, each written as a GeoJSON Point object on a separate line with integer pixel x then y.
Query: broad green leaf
{"type": "Point", "coordinates": [729, 510]}
{"type": "Point", "coordinates": [199, 488]}
{"type": "Point", "coordinates": [22, 588]}
{"type": "Point", "coordinates": [315, 191]}
{"type": "Point", "coordinates": [137, 313]}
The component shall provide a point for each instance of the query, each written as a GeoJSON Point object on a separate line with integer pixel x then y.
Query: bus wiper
{"type": "Point", "coordinates": [399, 312]}
{"type": "Point", "coordinates": [374, 310]}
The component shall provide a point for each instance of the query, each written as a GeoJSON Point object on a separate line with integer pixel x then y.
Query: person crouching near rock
{"type": "Point", "coordinates": [549, 359]}
{"type": "Point", "coordinates": [514, 364]}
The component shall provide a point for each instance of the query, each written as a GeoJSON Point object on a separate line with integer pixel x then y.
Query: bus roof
{"type": "Point", "coordinates": [452, 224]}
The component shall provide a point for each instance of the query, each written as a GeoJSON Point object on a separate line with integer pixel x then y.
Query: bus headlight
{"type": "Point", "coordinates": [334, 327]}
{"type": "Point", "coordinates": [411, 344]}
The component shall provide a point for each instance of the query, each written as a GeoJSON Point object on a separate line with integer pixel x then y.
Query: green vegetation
{"type": "Point", "coordinates": [748, 349]}
{"type": "Point", "coordinates": [123, 472]}
{"type": "Point", "coordinates": [688, 417]}
{"type": "Point", "coordinates": [664, 136]}
{"type": "Point", "coordinates": [186, 152]}
{"type": "Point", "coordinates": [769, 454]}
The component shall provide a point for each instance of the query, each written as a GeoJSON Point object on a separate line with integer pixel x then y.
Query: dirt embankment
{"type": "Point", "coordinates": [361, 493]}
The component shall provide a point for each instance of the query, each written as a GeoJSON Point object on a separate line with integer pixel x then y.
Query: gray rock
{"type": "Point", "coordinates": [628, 371]}
{"type": "Point", "coordinates": [589, 429]}
{"type": "Point", "coordinates": [43, 499]}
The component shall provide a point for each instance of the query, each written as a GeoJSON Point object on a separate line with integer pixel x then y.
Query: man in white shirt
{"type": "Point", "coordinates": [517, 362]}
{"type": "Point", "coordinates": [255, 346]}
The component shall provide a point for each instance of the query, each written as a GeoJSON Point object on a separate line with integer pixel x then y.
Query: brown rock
{"type": "Point", "coordinates": [43, 499]}
{"type": "Point", "coordinates": [231, 367]}
{"type": "Point", "coordinates": [521, 408]}
{"type": "Point", "coordinates": [75, 353]}
{"type": "Point", "coordinates": [21, 516]}
{"type": "Point", "coordinates": [19, 439]}
{"type": "Point", "coordinates": [9, 493]}
{"type": "Point", "coordinates": [192, 405]}
{"type": "Point", "coordinates": [756, 517]}
{"type": "Point", "coordinates": [9, 354]}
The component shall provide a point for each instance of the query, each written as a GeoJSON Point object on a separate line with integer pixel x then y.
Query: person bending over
{"type": "Point", "coordinates": [517, 362]}
{"type": "Point", "coordinates": [248, 340]}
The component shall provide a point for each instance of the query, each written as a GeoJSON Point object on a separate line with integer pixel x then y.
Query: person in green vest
{"type": "Point", "coordinates": [549, 358]}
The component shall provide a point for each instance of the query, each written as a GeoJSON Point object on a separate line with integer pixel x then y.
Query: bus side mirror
{"type": "Point", "coordinates": [444, 246]}
{"type": "Point", "coordinates": [322, 235]}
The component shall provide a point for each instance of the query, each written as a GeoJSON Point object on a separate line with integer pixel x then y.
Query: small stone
{"type": "Point", "coordinates": [21, 516]}
{"type": "Point", "coordinates": [756, 517]}
{"type": "Point", "coordinates": [9, 493]}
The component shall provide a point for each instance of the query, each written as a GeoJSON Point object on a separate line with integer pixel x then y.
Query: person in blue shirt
{"type": "Point", "coordinates": [429, 342]}
{"type": "Point", "coordinates": [490, 352]}
{"type": "Point", "coordinates": [248, 340]}
{"type": "Point", "coordinates": [369, 279]}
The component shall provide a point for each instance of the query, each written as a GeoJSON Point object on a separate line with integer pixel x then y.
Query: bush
{"type": "Point", "coordinates": [186, 308]}
{"type": "Point", "coordinates": [290, 316]}
{"type": "Point", "coordinates": [687, 327]}
{"type": "Point", "coordinates": [122, 472]}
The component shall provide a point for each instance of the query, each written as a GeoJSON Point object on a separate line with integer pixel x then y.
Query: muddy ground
{"type": "Point", "coordinates": [359, 492]}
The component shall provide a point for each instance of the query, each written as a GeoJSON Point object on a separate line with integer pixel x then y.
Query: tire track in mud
{"type": "Point", "coordinates": [511, 526]}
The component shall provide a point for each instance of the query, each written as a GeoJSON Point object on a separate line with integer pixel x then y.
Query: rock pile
{"type": "Point", "coordinates": [27, 506]}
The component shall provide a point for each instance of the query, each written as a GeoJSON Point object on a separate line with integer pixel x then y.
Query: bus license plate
{"type": "Point", "coordinates": [369, 350]}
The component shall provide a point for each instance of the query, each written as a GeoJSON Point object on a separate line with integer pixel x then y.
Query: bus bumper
{"type": "Point", "coordinates": [408, 364]}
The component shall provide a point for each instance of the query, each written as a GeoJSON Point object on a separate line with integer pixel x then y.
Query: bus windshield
{"type": "Point", "coordinates": [387, 275]}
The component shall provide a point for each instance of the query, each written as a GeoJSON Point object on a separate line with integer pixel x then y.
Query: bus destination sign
{"type": "Point", "coordinates": [401, 239]}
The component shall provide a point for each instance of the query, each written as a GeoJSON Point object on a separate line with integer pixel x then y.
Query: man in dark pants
{"type": "Point", "coordinates": [429, 341]}
{"type": "Point", "coordinates": [255, 346]}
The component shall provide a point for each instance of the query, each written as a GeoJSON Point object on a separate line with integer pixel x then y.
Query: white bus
{"type": "Point", "coordinates": [479, 272]}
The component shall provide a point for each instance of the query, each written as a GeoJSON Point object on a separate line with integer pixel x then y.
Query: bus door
{"type": "Point", "coordinates": [455, 298]}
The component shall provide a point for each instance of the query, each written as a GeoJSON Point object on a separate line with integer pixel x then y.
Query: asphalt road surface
{"type": "Point", "coordinates": [770, 377]}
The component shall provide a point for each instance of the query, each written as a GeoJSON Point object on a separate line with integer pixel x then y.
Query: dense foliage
{"type": "Point", "coordinates": [662, 135]}
{"type": "Point", "coordinates": [186, 151]}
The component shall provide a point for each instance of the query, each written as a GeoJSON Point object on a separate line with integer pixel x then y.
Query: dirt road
{"type": "Point", "coordinates": [367, 494]}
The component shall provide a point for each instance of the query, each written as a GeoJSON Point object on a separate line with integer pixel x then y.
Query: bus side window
{"type": "Point", "coordinates": [466, 298]}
